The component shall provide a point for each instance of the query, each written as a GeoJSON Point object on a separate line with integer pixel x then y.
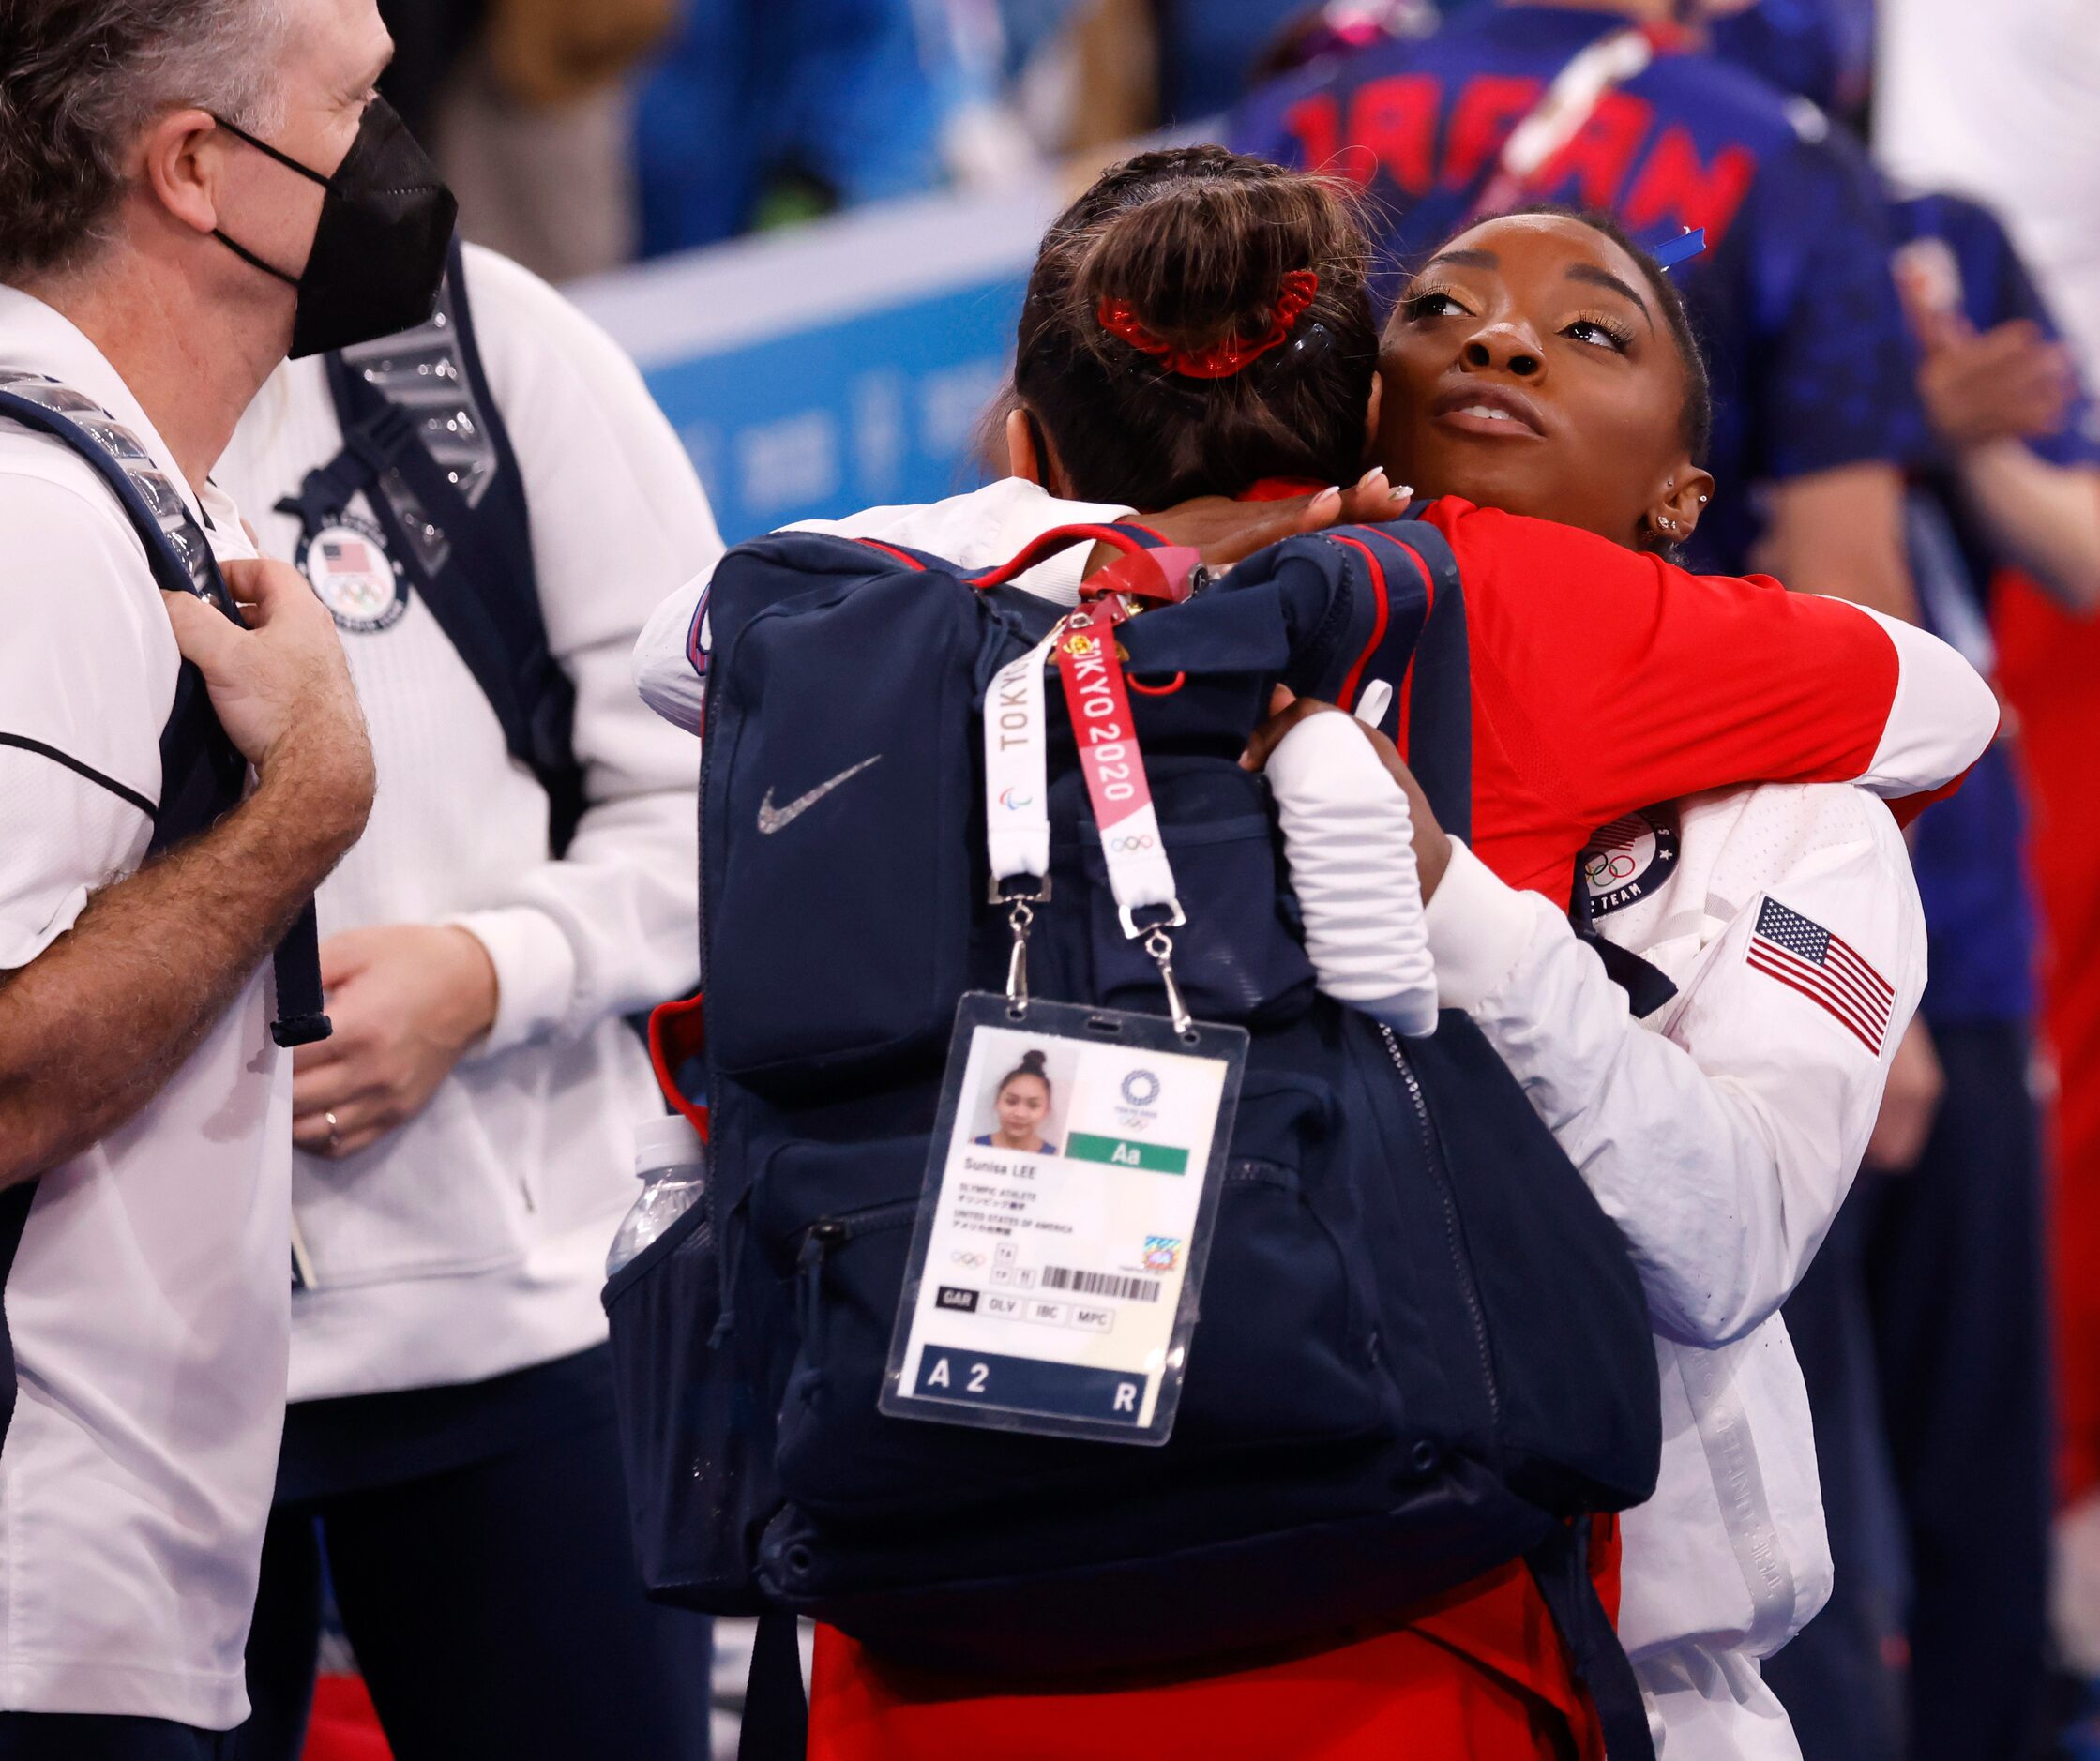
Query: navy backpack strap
{"type": "Point", "coordinates": [1128, 535]}
{"type": "Point", "coordinates": [776, 1723]}
{"type": "Point", "coordinates": [15, 1202]}
{"type": "Point", "coordinates": [1408, 629]}
{"type": "Point", "coordinates": [1647, 988]}
{"type": "Point", "coordinates": [1559, 1565]}
{"type": "Point", "coordinates": [1439, 694]}
{"type": "Point", "coordinates": [201, 773]}
{"type": "Point", "coordinates": [458, 525]}
{"type": "Point", "coordinates": [1421, 643]}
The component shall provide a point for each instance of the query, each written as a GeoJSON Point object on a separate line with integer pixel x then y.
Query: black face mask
{"type": "Point", "coordinates": [379, 249]}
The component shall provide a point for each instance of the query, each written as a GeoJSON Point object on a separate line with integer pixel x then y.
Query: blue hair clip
{"type": "Point", "coordinates": [1682, 248]}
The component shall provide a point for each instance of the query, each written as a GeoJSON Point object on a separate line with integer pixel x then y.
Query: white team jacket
{"type": "Point", "coordinates": [472, 1241]}
{"type": "Point", "coordinates": [1721, 1136]}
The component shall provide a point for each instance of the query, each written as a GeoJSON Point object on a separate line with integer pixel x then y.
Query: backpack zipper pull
{"type": "Point", "coordinates": [825, 1234]}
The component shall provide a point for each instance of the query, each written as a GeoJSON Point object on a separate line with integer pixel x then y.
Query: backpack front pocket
{"type": "Point", "coordinates": [691, 1439]}
{"type": "Point", "coordinates": [837, 840]}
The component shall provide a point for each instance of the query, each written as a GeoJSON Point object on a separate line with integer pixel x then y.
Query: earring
{"type": "Point", "coordinates": [1702, 501]}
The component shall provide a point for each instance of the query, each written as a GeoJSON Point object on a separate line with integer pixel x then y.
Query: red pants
{"type": "Point", "coordinates": [1481, 1676]}
{"type": "Point", "coordinates": [2049, 662]}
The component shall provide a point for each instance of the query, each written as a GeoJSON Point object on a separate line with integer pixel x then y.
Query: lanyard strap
{"type": "Point", "coordinates": [1017, 775]}
{"type": "Point", "coordinates": [1016, 791]}
{"type": "Point", "coordinates": [1098, 700]}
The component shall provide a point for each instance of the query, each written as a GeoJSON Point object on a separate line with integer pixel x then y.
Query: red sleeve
{"type": "Point", "coordinates": [1607, 680]}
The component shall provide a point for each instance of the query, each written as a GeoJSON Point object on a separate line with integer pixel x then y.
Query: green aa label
{"type": "Point", "coordinates": [1158, 1158]}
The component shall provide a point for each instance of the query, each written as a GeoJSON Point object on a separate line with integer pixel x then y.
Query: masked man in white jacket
{"type": "Point", "coordinates": [505, 506]}
{"type": "Point", "coordinates": [1721, 1133]}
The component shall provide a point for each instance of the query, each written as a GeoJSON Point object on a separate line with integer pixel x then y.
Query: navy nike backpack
{"type": "Point", "coordinates": [1423, 1350]}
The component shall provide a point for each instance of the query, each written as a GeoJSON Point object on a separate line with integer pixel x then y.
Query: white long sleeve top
{"type": "Point", "coordinates": [472, 1241]}
{"type": "Point", "coordinates": [1721, 1136]}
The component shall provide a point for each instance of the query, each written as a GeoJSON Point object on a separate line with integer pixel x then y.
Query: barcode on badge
{"type": "Point", "coordinates": [1101, 1283]}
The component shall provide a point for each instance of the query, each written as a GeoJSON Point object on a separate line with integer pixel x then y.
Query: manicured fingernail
{"type": "Point", "coordinates": [1403, 491]}
{"type": "Point", "coordinates": [1328, 497]}
{"type": "Point", "coordinates": [1371, 477]}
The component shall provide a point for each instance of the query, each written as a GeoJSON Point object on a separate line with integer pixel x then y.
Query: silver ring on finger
{"type": "Point", "coordinates": [334, 1133]}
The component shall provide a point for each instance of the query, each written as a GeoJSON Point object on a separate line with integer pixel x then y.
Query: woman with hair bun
{"type": "Point", "coordinates": [1022, 1102]}
{"type": "Point", "coordinates": [1198, 331]}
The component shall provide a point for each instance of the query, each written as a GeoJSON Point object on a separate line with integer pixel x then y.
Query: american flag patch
{"type": "Point", "coordinates": [1621, 833]}
{"type": "Point", "coordinates": [1801, 954]}
{"type": "Point", "coordinates": [347, 554]}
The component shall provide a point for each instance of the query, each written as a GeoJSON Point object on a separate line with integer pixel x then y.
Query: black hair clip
{"type": "Point", "coordinates": [1300, 353]}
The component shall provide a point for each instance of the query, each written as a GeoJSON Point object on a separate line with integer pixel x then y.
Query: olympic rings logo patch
{"type": "Point", "coordinates": [1130, 843]}
{"type": "Point", "coordinates": [1628, 859]}
{"type": "Point", "coordinates": [1609, 866]}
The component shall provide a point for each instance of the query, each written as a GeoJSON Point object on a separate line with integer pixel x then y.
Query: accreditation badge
{"type": "Point", "coordinates": [1059, 1253]}
{"type": "Point", "coordinates": [346, 562]}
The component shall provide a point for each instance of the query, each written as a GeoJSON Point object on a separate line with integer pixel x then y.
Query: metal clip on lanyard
{"type": "Point", "coordinates": [1017, 793]}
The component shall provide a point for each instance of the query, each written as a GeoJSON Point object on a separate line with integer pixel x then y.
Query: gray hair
{"type": "Point", "coordinates": [80, 78]}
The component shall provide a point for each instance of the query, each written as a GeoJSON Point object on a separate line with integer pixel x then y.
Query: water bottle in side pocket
{"type": "Point", "coordinates": [670, 1161]}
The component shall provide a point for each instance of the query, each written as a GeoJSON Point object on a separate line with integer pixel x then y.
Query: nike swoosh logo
{"type": "Point", "coordinates": [772, 819]}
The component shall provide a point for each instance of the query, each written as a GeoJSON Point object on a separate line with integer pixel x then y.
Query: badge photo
{"type": "Point", "coordinates": [1053, 1281]}
{"type": "Point", "coordinates": [346, 562]}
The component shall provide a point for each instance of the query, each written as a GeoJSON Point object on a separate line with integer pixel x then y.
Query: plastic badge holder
{"type": "Point", "coordinates": [1056, 1291]}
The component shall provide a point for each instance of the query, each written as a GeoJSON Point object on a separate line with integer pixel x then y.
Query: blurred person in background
{"type": "Point", "coordinates": [489, 506]}
{"type": "Point", "coordinates": [1925, 1320]}
{"type": "Point", "coordinates": [1144, 65]}
{"type": "Point", "coordinates": [1609, 104]}
{"type": "Point", "coordinates": [770, 110]}
{"type": "Point", "coordinates": [2004, 105]}
{"type": "Point", "coordinates": [1921, 1328]}
{"type": "Point", "coordinates": [528, 112]}
{"type": "Point", "coordinates": [533, 130]}
{"type": "Point", "coordinates": [526, 106]}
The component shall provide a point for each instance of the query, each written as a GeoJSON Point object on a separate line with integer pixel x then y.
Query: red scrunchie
{"type": "Point", "coordinates": [1221, 360]}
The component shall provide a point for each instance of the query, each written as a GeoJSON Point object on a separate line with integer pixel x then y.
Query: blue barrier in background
{"type": "Point", "coordinates": [842, 365]}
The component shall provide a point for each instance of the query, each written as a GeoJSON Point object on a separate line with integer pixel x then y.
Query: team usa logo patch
{"type": "Point", "coordinates": [1629, 859]}
{"type": "Point", "coordinates": [1824, 968]}
{"type": "Point", "coordinates": [364, 589]}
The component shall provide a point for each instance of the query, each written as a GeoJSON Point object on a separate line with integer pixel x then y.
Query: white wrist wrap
{"type": "Point", "coordinates": [1348, 838]}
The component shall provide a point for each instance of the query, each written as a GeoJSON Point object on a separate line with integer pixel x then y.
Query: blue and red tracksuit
{"type": "Point", "coordinates": [1793, 299]}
